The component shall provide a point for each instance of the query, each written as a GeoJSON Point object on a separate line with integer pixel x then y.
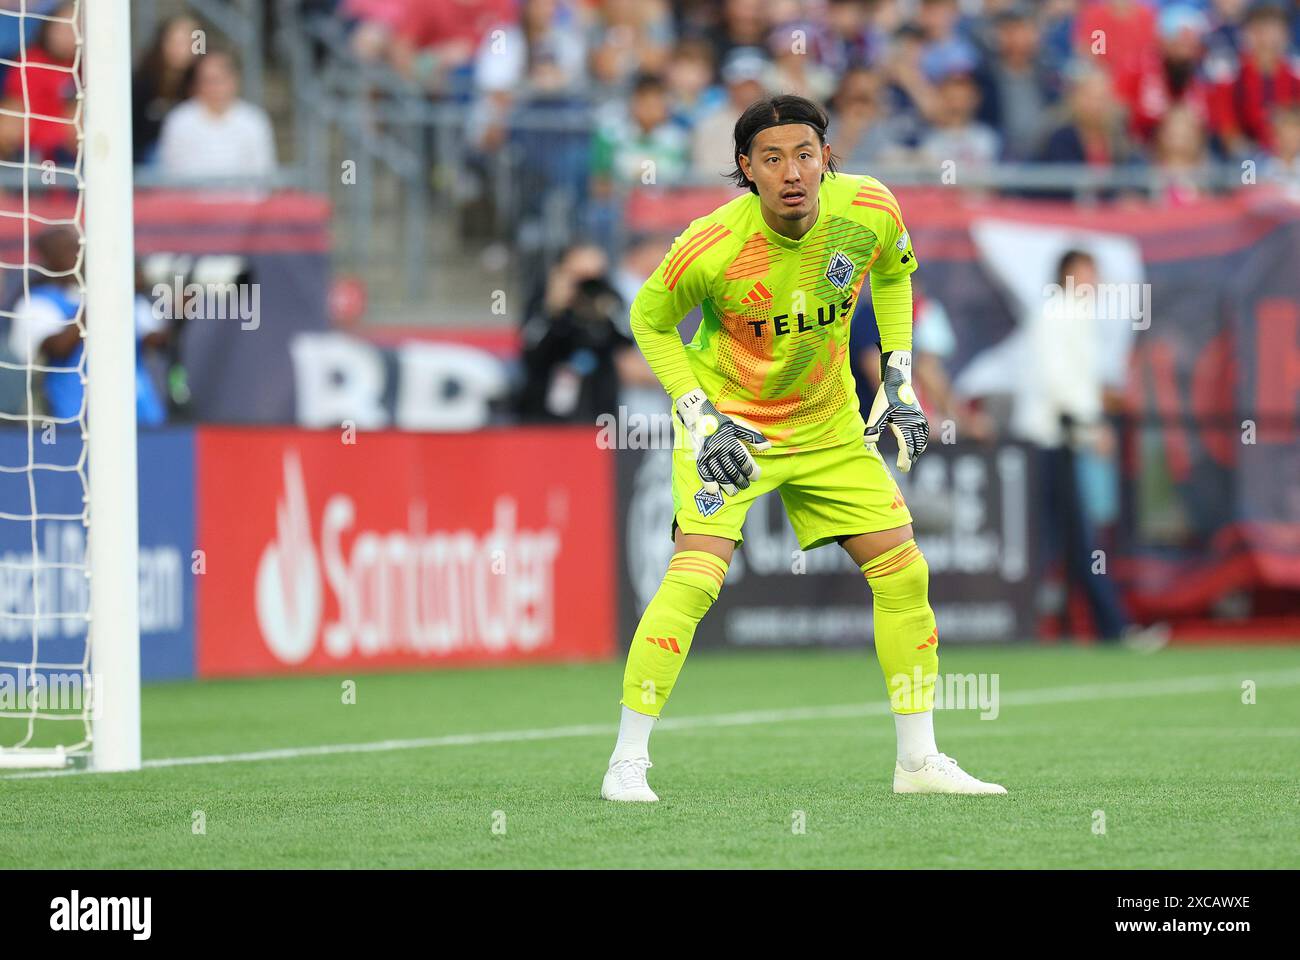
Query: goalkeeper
{"type": "Point", "coordinates": [764, 399]}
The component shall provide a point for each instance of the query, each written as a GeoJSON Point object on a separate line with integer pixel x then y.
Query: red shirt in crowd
{"type": "Point", "coordinates": [1130, 40]}
{"type": "Point", "coordinates": [433, 23]}
{"type": "Point", "coordinates": [1153, 98]}
{"type": "Point", "coordinates": [50, 92]}
{"type": "Point", "coordinates": [1242, 99]}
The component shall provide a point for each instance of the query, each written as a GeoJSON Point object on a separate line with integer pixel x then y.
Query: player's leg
{"type": "Point", "coordinates": [659, 648]}
{"type": "Point", "coordinates": [705, 533]}
{"type": "Point", "coordinates": [907, 646]}
{"type": "Point", "coordinates": [847, 495]}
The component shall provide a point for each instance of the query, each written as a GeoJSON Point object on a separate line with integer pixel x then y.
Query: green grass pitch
{"type": "Point", "coordinates": [1185, 774]}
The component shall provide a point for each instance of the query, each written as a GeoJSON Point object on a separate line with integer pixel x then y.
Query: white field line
{"type": "Point", "coordinates": [1221, 683]}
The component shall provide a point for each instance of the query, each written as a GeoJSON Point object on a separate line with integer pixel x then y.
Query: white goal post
{"type": "Point", "coordinates": [110, 390]}
{"type": "Point", "coordinates": [108, 733]}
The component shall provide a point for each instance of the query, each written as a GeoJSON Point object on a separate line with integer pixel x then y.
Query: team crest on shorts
{"type": "Point", "coordinates": [707, 503]}
{"type": "Point", "coordinates": [840, 270]}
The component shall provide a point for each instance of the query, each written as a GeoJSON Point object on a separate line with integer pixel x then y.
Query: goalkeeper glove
{"type": "Point", "coordinates": [895, 405]}
{"type": "Point", "coordinates": [721, 456]}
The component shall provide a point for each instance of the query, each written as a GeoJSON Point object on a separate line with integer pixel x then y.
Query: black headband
{"type": "Point", "coordinates": [749, 144]}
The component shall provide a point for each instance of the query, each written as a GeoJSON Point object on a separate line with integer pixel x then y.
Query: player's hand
{"type": "Point", "coordinates": [895, 406]}
{"type": "Point", "coordinates": [722, 456]}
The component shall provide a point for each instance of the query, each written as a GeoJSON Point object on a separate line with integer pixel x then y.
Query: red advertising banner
{"type": "Point", "coordinates": [402, 549]}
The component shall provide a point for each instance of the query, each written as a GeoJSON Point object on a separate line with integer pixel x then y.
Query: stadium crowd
{"type": "Point", "coordinates": [1172, 83]}
{"type": "Point", "coordinates": [189, 121]}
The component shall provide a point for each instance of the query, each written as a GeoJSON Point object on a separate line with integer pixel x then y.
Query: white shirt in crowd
{"type": "Point", "coordinates": [36, 319]}
{"type": "Point", "coordinates": [1060, 373]}
{"type": "Point", "coordinates": [198, 143]}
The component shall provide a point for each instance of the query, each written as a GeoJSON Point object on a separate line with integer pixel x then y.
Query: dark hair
{"type": "Point", "coordinates": [56, 246]}
{"type": "Point", "coordinates": [153, 64]}
{"type": "Point", "coordinates": [1068, 260]}
{"type": "Point", "coordinates": [648, 83]}
{"type": "Point", "coordinates": [1264, 10]}
{"type": "Point", "coordinates": [771, 112]}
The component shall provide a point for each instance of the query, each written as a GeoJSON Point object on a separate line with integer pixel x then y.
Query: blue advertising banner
{"type": "Point", "coordinates": [44, 604]}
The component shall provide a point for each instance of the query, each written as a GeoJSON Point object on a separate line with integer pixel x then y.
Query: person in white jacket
{"type": "Point", "coordinates": [1059, 408]}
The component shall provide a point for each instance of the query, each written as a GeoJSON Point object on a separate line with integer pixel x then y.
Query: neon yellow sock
{"type": "Point", "coordinates": [907, 638]}
{"type": "Point", "coordinates": [663, 637]}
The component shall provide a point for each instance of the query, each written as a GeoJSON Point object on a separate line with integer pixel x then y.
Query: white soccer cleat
{"type": "Point", "coordinates": [625, 780]}
{"type": "Point", "coordinates": [940, 774]}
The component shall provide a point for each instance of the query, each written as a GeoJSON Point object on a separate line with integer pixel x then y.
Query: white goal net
{"type": "Point", "coordinates": [69, 657]}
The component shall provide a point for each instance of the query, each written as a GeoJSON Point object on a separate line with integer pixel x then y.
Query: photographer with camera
{"type": "Point", "coordinates": [572, 341]}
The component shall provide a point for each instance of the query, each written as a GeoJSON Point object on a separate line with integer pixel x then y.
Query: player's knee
{"type": "Point", "coordinates": [694, 593]}
{"type": "Point", "coordinates": [899, 579]}
{"type": "Point", "coordinates": [695, 578]}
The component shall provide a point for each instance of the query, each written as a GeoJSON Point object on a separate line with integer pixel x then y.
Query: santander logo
{"type": "Point", "coordinates": [427, 593]}
{"type": "Point", "coordinates": [288, 588]}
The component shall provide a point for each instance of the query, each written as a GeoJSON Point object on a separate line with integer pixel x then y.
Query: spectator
{"type": "Point", "coordinates": [45, 330]}
{"type": "Point", "coordinates": [1059, 410]}
{"type": "Point", "coordinates": [44, 85]}
{"type": "Point", "coordinates": [155, 355]}
{"type": "Point", "coordinates": [862, 133]}
{"type": "Point", "coordinates": [629, 37]}
{"type": "Point", "coordinates": [1175, 77]}
{"type": "Point", "coordinates": [943, 42]}
{"type": "Point", "coordinates": [956, 136]}
{"type": "Point", "coordinates": [745, 74]}
{"type": "Point", "coordinates": [910, 97]}
{"type": "Point", "coordinates": [1246, 92]}
{"type": "Point", "coordinates": [1094, 131]}
{"type": "Point", "coordinates": [1181, 156]}
{"type": "Point", "coordinates": [1017, 88]}
{"type": "Point", "coordinates": [795, 67]}
{"type": "Point", "coordinates": [851, 42]}
{"type": "Point", "coordinates": [438, 40]}
{"type": "Point", "coordinates": [691, 89]}
{"type": "Point", "coordinates": [571, 339]}
{"type": "Point", "coordinates": [744, 24]}
{"type": "Point", "coordinates": [214, 133]}
{"type": "Point", "coordinates": [536, 58]}
{"type": "Point", "coordinates": [643, 145]}
{"type": "Point", "coordinates": [159, 83]}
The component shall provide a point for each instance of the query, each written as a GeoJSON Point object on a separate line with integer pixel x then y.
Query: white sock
{"type": "Point", "coordinates": [633, 736]}
{"type": "Point", "coordinates": [915, 738]}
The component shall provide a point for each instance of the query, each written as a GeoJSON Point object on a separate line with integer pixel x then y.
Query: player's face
{"type": "Point", "coordinates": [786, 165]}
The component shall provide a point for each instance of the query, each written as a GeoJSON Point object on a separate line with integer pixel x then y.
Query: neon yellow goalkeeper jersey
{"type": "Point", "coordinates": [773, 347]}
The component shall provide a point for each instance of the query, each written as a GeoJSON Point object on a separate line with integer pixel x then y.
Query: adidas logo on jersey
{"type": "Point", "coordinates": [757, 294]}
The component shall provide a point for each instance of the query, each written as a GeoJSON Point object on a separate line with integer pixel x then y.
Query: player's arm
{"type": "Point", "coordinates": [679, 285]}
{"type": "Point", "coordinates": [895, 403]}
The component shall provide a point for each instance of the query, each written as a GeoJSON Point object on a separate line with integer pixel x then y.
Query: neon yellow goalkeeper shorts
{"type": "Point", "coordinates": [828, 493]}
